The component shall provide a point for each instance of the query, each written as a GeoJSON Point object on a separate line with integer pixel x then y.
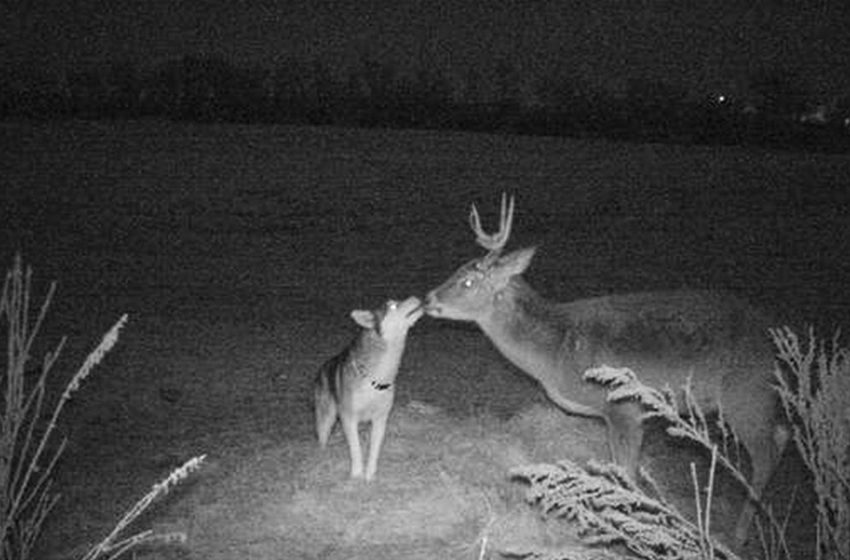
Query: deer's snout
{"type": "Point", "coordinates": [432, 306]}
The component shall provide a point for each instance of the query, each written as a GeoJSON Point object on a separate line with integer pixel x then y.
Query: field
{"type": "Point", "coordinates": [238, 253]}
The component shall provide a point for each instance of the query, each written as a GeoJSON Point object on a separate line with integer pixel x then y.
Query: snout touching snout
{"type": "Point", "coordinates": [432, 305]}
{"type": "Point", "coordinates": [412, 307]}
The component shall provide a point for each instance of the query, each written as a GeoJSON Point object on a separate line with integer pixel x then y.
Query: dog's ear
{"type": "Point", "coordinates": [364, 318]}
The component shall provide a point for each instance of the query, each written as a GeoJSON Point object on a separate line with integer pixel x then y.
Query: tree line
{"type": "Point", "coordinates": [375, 94]}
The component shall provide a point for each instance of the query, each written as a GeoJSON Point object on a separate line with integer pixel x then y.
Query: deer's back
{"type": "Point", "coordinates": [716, 339]}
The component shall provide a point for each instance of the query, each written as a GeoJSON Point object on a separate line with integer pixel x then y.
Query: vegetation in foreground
{"type": "Point", "coordinates": [813, 382]}
{"type": "Point", "coordinates": [814, 385]}
{"type": "Point", "coordinates": [28, 453]}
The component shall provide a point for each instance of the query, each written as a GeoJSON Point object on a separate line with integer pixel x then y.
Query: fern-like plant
{"type": "Point", "coordinates": [610, 509]}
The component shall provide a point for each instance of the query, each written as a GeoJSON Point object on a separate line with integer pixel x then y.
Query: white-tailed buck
{"type": "Point", "coordinates": [358, 384]}
{"type": "Point", "coordinates": [716, 340]}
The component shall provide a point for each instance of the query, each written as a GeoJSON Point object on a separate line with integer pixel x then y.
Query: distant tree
{"type": "Point", "coordinates": [15, 19]}
{"type": "Point", "coordinates": [557, 93]}
{"type": "Point", "coordinates": [654, 106]}
{"type": "Point", "coordinates": [202, 81]}
{"type": "Point", "coordinates": [122, 82]}
{"type": "Point", "coordinates": [370, 92]}
{"type": "Point", "coordinates": [842, 112]}
{"type": "Point", "coordinates": [471, 89]}
{"type": "Point", "coordinates": [205, 88]}
{"type": "Point", "coordinates": [378, 79]}
{"type": "Point", "coordinates": [432, 85]}
{"type": "Point", "coordinates": [508, 83]}
{"type": "Point", "coordinates": [290, 84]}
{"type": "Point", "coordinates": [87, 90]}
{"type": "Point", "coordinates": [325, 94]}
{"type": "Point", "coordinates": [782, 92]}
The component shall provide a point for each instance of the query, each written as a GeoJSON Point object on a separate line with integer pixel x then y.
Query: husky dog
{"type": "Point", "coordinates": [357, 385]}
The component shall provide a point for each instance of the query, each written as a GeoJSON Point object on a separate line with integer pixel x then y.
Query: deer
{"type": "Point", "coordinates": [713, 341]}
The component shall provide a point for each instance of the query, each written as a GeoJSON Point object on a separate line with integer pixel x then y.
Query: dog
{"type": "Point", "coordinates": [358, 384]}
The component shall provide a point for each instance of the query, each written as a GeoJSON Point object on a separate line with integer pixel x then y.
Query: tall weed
{"type": "Point", "coordinates": [28, 456]}
{"type": "Point", "coordinates": [814, 385]}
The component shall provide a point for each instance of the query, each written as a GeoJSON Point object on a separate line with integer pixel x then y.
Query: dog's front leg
{"type": "Point", "coordinates": [379, 427]}
{"type": "Point", "coordinates": [349, 428]}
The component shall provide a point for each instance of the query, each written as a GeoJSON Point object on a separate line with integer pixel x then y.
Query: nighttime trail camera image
{"type": "Point", "coordinates": [236, 177]}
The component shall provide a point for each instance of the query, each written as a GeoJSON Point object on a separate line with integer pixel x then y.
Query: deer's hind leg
{"type": "Point", "coordinates": [625, 435]}
{"type": "Point", "coordinates": [765, 441]}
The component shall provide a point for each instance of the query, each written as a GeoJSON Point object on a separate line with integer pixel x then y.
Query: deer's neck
{"type": "Point", "coordinates": [540, 338]}
{"type": "Point", "coordinates": [523, 325]}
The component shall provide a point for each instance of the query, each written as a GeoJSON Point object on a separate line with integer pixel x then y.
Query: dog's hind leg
{"type": "Point", "coordinates": [326, 413]}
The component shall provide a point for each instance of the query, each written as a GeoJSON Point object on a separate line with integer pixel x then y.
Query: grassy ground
{"type": "Point", "coordinates": [239, 251]}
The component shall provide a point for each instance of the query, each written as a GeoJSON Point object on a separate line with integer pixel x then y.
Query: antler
{"type": "Point", "coordinates": [496, 241]}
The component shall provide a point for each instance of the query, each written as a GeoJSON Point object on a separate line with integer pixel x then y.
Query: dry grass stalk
{"type": "Point", "coordinates": [706, 551]}
{"type": "Point", "coordinates": [25, 480]}
{"type": "Point", "coordinates": [814, 385]}
{"type": "Point", "coordinates": [112, 548]}
{"type": "Point", "coordinates": [26, 462]}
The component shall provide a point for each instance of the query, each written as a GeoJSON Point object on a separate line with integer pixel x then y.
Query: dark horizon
{"type": "Point", "coordinates": [698, 46]}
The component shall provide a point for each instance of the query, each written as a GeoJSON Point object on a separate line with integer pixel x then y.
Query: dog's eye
{"type": "Point", "coordinates": [392, 305]}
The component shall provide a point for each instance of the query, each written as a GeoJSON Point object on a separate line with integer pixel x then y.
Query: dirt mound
{"type": "Point", "coordinates": [442, 490]}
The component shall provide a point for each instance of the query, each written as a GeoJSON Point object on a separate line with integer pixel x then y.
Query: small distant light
{"type": "Point", "coordinates": [721, 98]}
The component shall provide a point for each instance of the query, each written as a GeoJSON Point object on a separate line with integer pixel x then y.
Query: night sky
{"type": "Point", "coordinates": [703, 45]}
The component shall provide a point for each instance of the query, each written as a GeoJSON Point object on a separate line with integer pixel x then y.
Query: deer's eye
{"type": "Point", "coordinates": [392, 305]}
{"type": "Point", "coordinates": [468, 282]}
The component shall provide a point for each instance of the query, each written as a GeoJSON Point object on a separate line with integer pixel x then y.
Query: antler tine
{"type": "Point", "coordinates": [496, 241]}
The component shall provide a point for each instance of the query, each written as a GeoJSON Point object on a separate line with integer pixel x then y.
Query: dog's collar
{"type": "Point", "coordinates": [377, 385]}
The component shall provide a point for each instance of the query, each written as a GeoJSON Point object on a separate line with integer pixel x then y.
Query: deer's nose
{"type": "Point", "coordinates": [432, 306]}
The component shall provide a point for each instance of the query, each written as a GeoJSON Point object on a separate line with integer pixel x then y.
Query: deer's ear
{"type": "Point", "coordinates": [364, 318]}
{"type": "Point", "coordinates": [516, 262]}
